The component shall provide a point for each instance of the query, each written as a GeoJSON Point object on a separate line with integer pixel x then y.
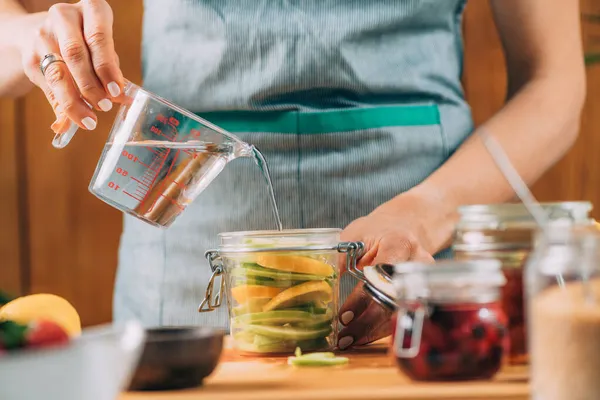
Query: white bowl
{"type": "Point", "coordinates": [95, 366]}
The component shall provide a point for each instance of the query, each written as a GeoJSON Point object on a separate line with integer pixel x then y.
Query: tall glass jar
{"type": "Point", "coordinates": [505, 232]}
{"type": "Point", "coordinates": [281, 288]}
{"type": "Point", "coordinates": [563, 291]}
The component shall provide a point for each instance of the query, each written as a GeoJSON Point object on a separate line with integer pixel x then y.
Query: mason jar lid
{"type": "Point", "coordinates": [304, 239]}
{"type": "Point", "coordinates": [449, 280]}
{"type": "Point", "coordinates": [445, 281]}
{"type": "Point", "coordinates": [573, 251]}
{"type": "Point", "coordinates": [517, 215]}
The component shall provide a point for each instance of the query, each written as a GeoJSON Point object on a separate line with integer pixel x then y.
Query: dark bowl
{"type": "Point", "coordinates": [177, 358]}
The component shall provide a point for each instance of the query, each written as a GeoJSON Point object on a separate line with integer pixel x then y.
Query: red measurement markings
{"type": "Point", "coordinates": [153, 150]}
{"type": "Point", "coordinates": [130, 195]}
{"type": "Point", "coordinates": [113, 186]}
{"type": "Point", "coordinates": [164, 183]}
{"type": "Point", "coordinates": [140, 182]}
{"type": "Point", "coordinates": [129, 156]}
{"type": "Point", "coordinates": [161, 159]}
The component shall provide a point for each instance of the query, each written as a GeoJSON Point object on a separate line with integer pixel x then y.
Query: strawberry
{"type": "Point", "coordinates": [44, 333]}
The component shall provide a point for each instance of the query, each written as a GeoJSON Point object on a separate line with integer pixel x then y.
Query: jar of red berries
{"type": "Point", "coordinates": [450, 324]}
{"type": "Point", "coordinates": [505, 232]}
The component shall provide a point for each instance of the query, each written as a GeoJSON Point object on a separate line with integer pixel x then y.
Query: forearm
{"type": "Point", "coordinates": [16, 27]}
{"type": "Point", "coordinates": [535, 128]}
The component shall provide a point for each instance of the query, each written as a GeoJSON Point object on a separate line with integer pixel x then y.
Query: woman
{"type": "Point", "coordinates": [381, 143]}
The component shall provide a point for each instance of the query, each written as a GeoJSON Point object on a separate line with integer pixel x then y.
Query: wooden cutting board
{"type": "Point", "coordinates": [371, 374]}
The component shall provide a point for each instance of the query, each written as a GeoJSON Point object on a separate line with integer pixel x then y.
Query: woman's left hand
{"type": "Point", "coordinates": [397, 231]}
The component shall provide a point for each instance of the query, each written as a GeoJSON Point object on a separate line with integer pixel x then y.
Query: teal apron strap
{"type": "Point", "coordinates": [325, 121]}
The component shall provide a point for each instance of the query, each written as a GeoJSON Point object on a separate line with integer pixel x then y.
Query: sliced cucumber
{"type": "Point", "coordinates": [264, 345]}
{"type": "Point", "coordinates": [316, 359]}
{"type": "Point", "coordinates": [312, 307]}
{"type": "Point", "coordinates": [317, 362]}
{"type": "Point", "coordinates": [288, 332]}
{"type": "Point", "coordinates": [276, 317]}
{"type": "Point", "coordinates": [316, 321]}
{"type": "Point", "coordinates": [252, 306]}
{"type": "Point", "coordinates": [253, 269]}
{"type": "Point", "coordinates": [264, 282]}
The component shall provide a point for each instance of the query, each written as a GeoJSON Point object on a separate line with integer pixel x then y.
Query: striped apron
{"type": "Point", "coordinates": [352, 102]}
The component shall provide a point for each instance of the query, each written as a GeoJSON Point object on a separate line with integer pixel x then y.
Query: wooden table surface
{"type": "Point", "coordinates": [371, 374]}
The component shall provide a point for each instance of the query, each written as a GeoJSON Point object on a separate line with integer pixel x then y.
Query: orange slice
{"type": "Point", "coordinates": [244, 293]}
{"type": "Point", "coordinates": [298, 264]}
{"type": "Point", "coordinates": [300, 294]}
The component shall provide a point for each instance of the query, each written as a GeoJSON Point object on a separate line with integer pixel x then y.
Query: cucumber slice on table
{"type": "Point", "coordinates": [316, 359]}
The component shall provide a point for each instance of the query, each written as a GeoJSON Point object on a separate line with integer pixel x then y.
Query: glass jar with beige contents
{"type": "Point", "coordinates": [563, 290]}
{"type": "Point", "coordinates": [281, 288]}
{"type": "Point", "coordinates": [505, 232]}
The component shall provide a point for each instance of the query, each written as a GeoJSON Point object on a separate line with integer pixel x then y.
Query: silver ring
{"type": "Point", "coordinates": [48, 60]}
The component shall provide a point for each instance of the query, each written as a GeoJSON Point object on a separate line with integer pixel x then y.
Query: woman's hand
{"type": "Point", "coordinates": [82, 35]}
{"type": "Point", "coordinates": [410, 227]}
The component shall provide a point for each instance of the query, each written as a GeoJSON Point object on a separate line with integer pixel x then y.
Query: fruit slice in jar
{"type": "Point", "coordinates": [251, 306]}
{"type": "Point", "coordinates": [248, 270]}
{"type": "Point", "coordinates": [316, 321]}
{"type": "Point", "coordinates": [277, 317]}
{"type": "Point", "coordinates": [304, 293]}
{"type": "Point", "coordinates": [243, 293]}
{"type": "Point", "coordinates": [288, 333]}
{"type": "Point", "coordinates": [296, 264]}
{"type": "Point", "coordinates": [264, 344]}
{"type": "Point", "coordinates": [259, 281]}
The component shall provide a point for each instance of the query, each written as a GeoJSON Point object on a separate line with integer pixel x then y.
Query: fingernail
{"type": "Point", "coordinates": [89, 123]}
{"type": "Point", "coordinates": [345, 342]}
{"type": "Point", "coordinates": [347, 317]}
{"type": "Point", "coordinates": [114, 89]}
{"type": "Point", "coordinates": [105, 105]}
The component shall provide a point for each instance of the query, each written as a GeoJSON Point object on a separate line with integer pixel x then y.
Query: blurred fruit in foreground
{"type": "Point", "coordinates": [45, 334]}
{"type": "Point", "coordinates": [12, 335]}
{"type": "Point", "coordinates": [47, 307]}
{"type": "Point", "coordinates": [35, 335]}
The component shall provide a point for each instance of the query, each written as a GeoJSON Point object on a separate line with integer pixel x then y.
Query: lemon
{"type": "Point", "coordinates": [300, 294]}
{"type": "Point", "coordinates": [26, 309]}
{"type": "Point", "coordinates": [298, 264]}
{"type": "Point", "coordinates": [243, 293]}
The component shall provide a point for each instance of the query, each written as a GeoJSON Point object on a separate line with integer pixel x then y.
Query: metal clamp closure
{"type": "Point", "coordinates": [354, 251]}
{"type": "Point", "coordinates": [415, 326]}
{"type": "Point", "coordinates": [211, 301]}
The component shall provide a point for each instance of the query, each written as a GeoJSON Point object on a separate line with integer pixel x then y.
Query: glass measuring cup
{"type": "Point", "coordinates": [159, 157]}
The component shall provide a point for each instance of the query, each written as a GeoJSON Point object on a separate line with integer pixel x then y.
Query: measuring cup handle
{"type": "Point", "coordinates": [61, 140]}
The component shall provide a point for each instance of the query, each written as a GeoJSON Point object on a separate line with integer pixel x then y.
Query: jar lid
{"type": "Point", "coordinates": [446, 280]}
{"type": "Point", "coordinates": [574, 251]}
{"type": "Point", "coordinates": [517, 214]}
{"type": "Point", "coordinates": [379, 284]}
{"type": "Point", "coordinates": [272, 240]}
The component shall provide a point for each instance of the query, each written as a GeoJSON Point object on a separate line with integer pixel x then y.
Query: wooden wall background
{"type": "Point", "coordinates": [56, 237]}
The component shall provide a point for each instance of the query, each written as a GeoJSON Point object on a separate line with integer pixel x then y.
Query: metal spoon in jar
{"type": "Point", "coordinates": [519, 186]}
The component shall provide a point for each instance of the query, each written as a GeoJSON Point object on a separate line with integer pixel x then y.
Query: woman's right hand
{"type": "Point", "coordinates": [82, 35]}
